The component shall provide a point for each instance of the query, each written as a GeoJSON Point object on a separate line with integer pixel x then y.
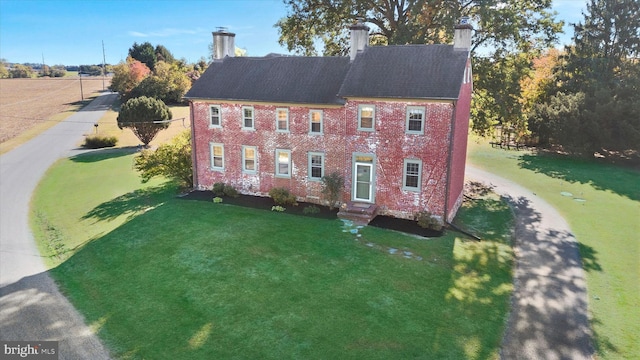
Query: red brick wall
{"type": "Point", "coordinates": [340, 139]}
{"type": "Point", "coordinates": [459, 154]}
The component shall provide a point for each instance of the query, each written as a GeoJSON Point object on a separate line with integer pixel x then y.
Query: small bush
{"type": "Point", "coordinates": [278, 208]}
{"type": "Point", "coordinates": [99, 142]}
{"type": "Point", "coordinates": [217, 200]}
{"type": "Point", "coordinates": [426, 220]}
{"type": "Point", "coordinates": [332, 186]}
{"type": "Point", "coordinates": [282, 197]}
{"type": "Point", "coordinates": [222, 189]}
{"type": "Point", "coordinates": [230, 191]}
{"type": "Point", "coordinates": [310, 210]}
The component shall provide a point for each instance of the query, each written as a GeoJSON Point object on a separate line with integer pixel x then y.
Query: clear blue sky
{"type": "Point", "coordinates": [71, 32]}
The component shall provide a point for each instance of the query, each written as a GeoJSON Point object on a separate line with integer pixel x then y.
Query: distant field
{"type": "Point", "coordinates": [28, 106]}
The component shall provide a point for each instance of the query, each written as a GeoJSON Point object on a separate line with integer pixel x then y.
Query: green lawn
{"type": "Point", "coordinates": [164, 278]}
{"type": "Point", "coordinates": [604, 215]}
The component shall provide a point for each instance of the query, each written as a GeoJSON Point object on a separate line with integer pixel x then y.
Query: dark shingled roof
{"type": "Point", "coordinates": [406, 71]}
{"type": "Point", "coordinates": [399, 71]}
{"type": "Point", "coordinates": [294, 79]}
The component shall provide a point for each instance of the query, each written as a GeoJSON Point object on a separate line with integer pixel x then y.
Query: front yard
{"type": "Point", "coordinates": [161, 277]}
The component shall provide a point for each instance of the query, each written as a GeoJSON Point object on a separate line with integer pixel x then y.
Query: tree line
{"type": "Point", "coordinates": [584, 98]}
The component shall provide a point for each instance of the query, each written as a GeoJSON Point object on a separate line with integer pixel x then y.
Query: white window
{"type": "Point", "coordinates": [249, 159]}
{"type": "Point", "coordinates": [412, 175]}
{"type": "Point", "coordinates": [282, 120]}
{"type": "Point", "coordinates": [415, 120]}
{"type": "Point", "coordinates": [215, 114]}
{"type": "Point", "coordinates": [366, 117]}
{"type": "Point", "coordinates": [283, 163]}
{"type": "Point", "coordinates": [315, 122]}
{"type": "Point", "coordinates": [316, 166]}
{"type": "Point", "coordinates": [217, 157]}
{"type": "Point", "coordinates": [247, 118]}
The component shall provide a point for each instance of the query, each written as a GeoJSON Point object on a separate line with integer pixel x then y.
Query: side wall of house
{"type": "Point", "coordinates": [460, 138]}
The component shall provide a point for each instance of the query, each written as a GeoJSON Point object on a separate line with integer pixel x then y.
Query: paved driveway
{"type": "Point", "coordinates": [548, 317]}
{"type": "Point", "coordinates": [31, 307]}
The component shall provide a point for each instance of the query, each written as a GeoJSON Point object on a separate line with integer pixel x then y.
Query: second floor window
{"type": "Point", "coordinates": [215, 116]}
{"type": "Point", "coordinates": [415, 120]}
{"type": "Point", "coordinates": [366, 117]}
{"type": "Point", "coordinates": [247, 118]}
{"type": "Point", "coordinates": [282, 120]}
{"type": "Point", "coordinates": [315, 122]}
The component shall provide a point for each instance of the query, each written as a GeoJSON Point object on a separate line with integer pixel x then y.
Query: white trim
{"type": "Point", "coordinates": [310, 155]}
{"type": "Point", "coordinates": [373, 117]}
{"type": "Point", "coordinates": [411, 109]}
{"type": "Point", "coordinates": [405, 174]}
{"type": "Point", "coordinates": [212, 156]}
{"type": "Point", "coordinates": [289, 163]}
{"type": "Point", "coordinates": [252, 117]}
{"type": "Point", "coordinates": [255, 159]}
{"type": "Point", "coordinates": [286, 111]}
{"type": "Point", "coordinates": [311, 112]}
{"type": "Point", "coordinates": [219, 124]}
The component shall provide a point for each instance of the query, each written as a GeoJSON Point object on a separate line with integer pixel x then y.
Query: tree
{"type": "Point", "coordinates": [145, 53]}
{"type": "Point", "coordinates": [168, 83]}
{"type": "Point", "coordinates": [505, 24]}
{"type": "Point", "coordinates": [127, 76]}
{"type": "Point", "coordinates": [505, 30]}
{"type": "Point", "coordinates": [163, 54]}
{"type": "Point", "coordinates": [145, 117]}
{"type": "Point", "coordinates": [172, 160]}
{"type": "Point", "coordinates": [4, 72]}
{"type": "Point", "coordinates": [21, 71]}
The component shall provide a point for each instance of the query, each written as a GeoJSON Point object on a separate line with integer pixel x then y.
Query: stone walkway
{"type": "Point", "coordinates": [548, 318]}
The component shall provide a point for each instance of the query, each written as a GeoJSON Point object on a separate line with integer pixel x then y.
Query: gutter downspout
{"type": "Point", "coordinates": [449, 159]}
{"type": "Point", "coordinates": [193, 147]}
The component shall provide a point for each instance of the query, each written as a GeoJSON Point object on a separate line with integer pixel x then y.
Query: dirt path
{"type": "Point", "coordinates": [31, 307]}
{"type": "Point", "coordinates": [548, 317]}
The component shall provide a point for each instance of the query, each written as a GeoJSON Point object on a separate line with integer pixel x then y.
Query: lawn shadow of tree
{"type": "Point", "coordinates": [622, 181]}
{"type": "Point", "coordinates": [132, 203]}
{"type": "Point", "coordinates": [92, 156]}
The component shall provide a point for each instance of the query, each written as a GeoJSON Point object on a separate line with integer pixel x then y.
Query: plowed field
{"type": "Point", "coordinates": [27, 104]}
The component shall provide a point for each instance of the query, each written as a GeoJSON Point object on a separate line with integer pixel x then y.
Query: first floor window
{"type": "Point", "coordinates": [412, 175]}
{"type": "Point", "coordinates": [217, 156]}
{"type": "Point", "coordinates": [214, 115]}
{"type": "Point", "coordinates": [282, 120]}
{"type": "Point", "coordinates": [249, 159]}
{"type": "Point", "coordinates": [415, 120]}
{"type": "Point", "coordinates": [316, 166]}
{"type": "Point", "coordinates": [247, 118]}
{"type": "Point", "coordinates": [366, 116]}
{"type": "Point", "coordinates": [315, 121]}
{"type": "Point", "coordinates": [283, 163]}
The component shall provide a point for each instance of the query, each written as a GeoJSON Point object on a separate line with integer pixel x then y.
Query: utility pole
{"type": "Point", "coordinates": [80, 75]}
{"type": "Point", "coordinates": [104, 73]}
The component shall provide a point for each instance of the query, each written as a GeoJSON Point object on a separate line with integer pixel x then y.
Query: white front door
{"type": "Point", "coordinates": [363, 182]}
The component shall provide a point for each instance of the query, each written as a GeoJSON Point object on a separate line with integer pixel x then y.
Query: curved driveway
{"type": "Point", "coordinates": [31, 307]}
{"type": "Point", "coordinates": [548, 318]}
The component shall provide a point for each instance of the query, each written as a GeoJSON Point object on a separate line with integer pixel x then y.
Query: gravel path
{"type": "Point", "coordinates": [548, 318]}
{"type": "Point", "coordinates": [31, 307]}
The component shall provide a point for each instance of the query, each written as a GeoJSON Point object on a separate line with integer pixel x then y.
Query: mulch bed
{"type": "Point", "coordinates": [265, 203]}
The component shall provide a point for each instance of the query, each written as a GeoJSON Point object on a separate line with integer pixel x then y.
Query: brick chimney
{"type": "Point", "coordinates": [359, 38]}
{"type": "Point", "coordinates": [462, 35]}
{"type": "Point", "coordinates": [223, 44]}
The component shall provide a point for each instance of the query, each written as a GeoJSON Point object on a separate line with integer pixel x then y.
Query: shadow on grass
{"type": "Point", "coordinates": [92, 156]}
{"type": "Point", "coordinates": [132, 203]}
{"type": "Point", "coordinates": [619, 180]}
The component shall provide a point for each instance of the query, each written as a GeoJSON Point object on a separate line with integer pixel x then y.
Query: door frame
{"type": "Point", "coordinates": [364, 159]}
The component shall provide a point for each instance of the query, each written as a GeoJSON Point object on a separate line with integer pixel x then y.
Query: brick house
{"type": "Point", "coordinates": [392, 120]}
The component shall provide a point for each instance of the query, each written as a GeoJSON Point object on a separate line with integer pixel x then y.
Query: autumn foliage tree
{"type": "Point", "coordinates": [145, 117]}
{"type": "Point", "coordinates": [127, 75]}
